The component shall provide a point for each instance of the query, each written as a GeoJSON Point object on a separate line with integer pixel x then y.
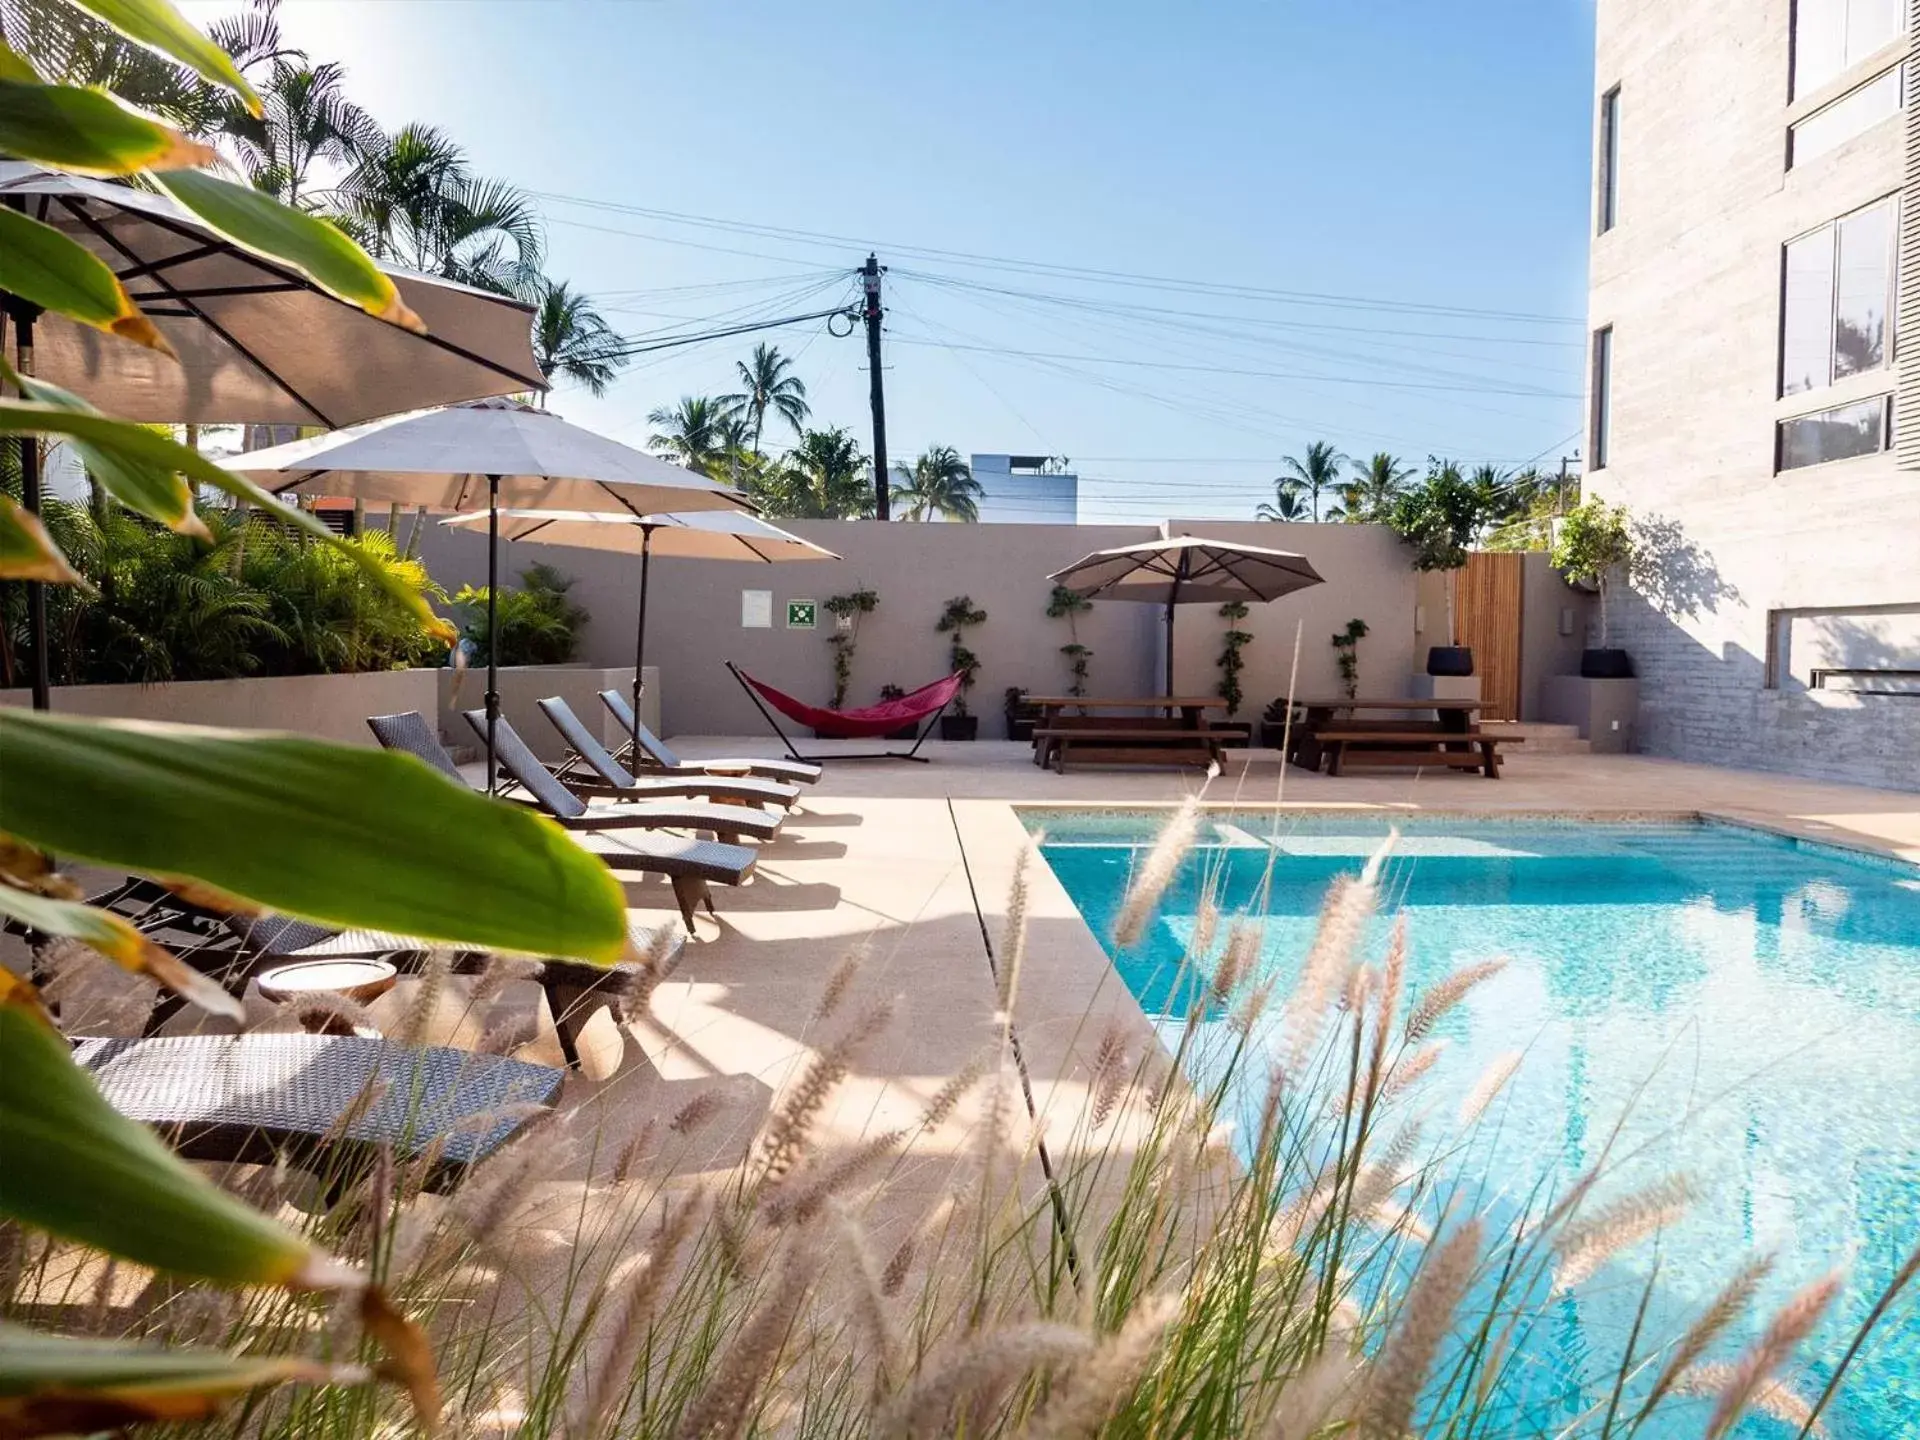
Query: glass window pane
{"type": "Point", "coordinates": [1871, 24]}
{"type": "Point", "coordinates": [1602, 397]}
{"type": "Point", "coordinates": [1806, 334]}
{"type": "Point", "coordinates": [1839, 122]}
{"type": "Point", "coordinates": [1863, 290]}
{"type": "Point", "coordinates": [1837, 434]}
{"type": "Point", "coordinates": [1609, 156]}
{"type": "Point", "coordinates": [1819, 42]}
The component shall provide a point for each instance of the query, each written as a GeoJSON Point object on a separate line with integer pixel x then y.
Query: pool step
{"type": "Point", "coordinates": [1540, 737]}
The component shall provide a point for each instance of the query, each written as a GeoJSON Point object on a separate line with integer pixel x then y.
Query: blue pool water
{"type": "Point", "coordinates": [1745, 1008]}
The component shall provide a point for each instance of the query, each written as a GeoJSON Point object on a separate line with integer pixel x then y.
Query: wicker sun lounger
{"type": "Point", "coordinates": [613, 778]}
{"type": "Point", "coordinates": [319, 1099]}
{"type": "Point", "coordinates": [727, 822]}
{"type": "Point", "coordinates": [654, 752]}
{"type": "Point", "coordinates": [692, 865]}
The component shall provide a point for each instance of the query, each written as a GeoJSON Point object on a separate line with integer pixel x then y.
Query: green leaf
{"type": "Point", "coordinates": [12, 67]}
{"type": "Point", "coordinates": [27, 551]}
{"type": "Point", "coordinates": [128, 469]}
{"type": "Point", "coordinates": [321, 251]}
{"type": "Point", "coordinates": [88, 132]}
{"type": "Point", "coordinates": [353, 837]}
{"type": "Point", "coordinates": [149, 466]}
{"type": "Point", "coordinates": [60, 1385]}
{"type": "Point", "coordinates": [79, 1169]}
{"type": "Point", "coordinates": [117, 939]}
{"type": "Point", "coordinates": [40, 264]}
{"type": "Point", "coordinates": [164, 30]}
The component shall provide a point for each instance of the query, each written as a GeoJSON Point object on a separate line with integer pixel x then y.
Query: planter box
{"type": "Point", "coordinates": [1604, 710]}
{"type": "Point", "coordinates": [330, 707]}
{"type": "Point", "coordinates": [523, 686]}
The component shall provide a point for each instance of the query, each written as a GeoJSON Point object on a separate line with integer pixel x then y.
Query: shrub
{"type": "Point", "coordinates": [1595, 544]}
{"type": "Point", "coordinates": [959, 616]}
{"type": "Point", "coordinates": [539, 625]}
{"type": "Point", "coordinates": [849, 607]}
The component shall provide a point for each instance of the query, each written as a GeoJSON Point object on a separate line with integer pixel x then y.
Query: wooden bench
{"type": "Point", "coordinates": [1454, 749]}
{"type": "Point", "coordinates": [1123, 745]}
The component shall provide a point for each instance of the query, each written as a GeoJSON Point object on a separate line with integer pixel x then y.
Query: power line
{"type": "Point", "coordinates": [1090, 274]}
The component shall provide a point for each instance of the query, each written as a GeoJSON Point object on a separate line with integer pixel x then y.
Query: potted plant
{"type": "Point", "coordinates": [959, 723]}
{"type": "Point", "coordinates": [1594, 545]}
{"type": "Point", "coordinates": [1232, 663]}
{"type": "Point", "coordinates": [846, 611]}
{"type": "Point", "coordinates": [1346, 645]}
{"type": "Point", "coordinates": [905, 732]}
{"type": "Point", "coordinates": [1021, 717]}
{"type": "Point", "coordinates": [1273, 724]}
{"type": "Point", "coordinates": [1064, 604]}
{"type": "Point", "coordinates": [1438, 519]}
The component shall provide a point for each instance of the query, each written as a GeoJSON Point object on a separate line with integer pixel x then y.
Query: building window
{"type": "Point", "coordinates": [1609, 157]}
{"type": "Point", "coordinates": [1602, 398]}
{"type": "Point", "coordinates": [1854, 113]}
{"type": "Point", "coordinates": [1830, 35]}
{"type": "Point", "coordinates": [1837, 434]}
{"type": "Point", "coordinates": [1836, 295]}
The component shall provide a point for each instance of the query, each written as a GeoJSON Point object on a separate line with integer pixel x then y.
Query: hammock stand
{"type": "Point", "coordinates": [927, 703]}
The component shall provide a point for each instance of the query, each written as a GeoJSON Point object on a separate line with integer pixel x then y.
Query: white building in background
{"type": "Point", "coordinates": [1027, 489]}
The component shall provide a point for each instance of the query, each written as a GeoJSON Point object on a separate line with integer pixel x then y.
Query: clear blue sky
{"type": "Point", "coordinates": [1425, 163]}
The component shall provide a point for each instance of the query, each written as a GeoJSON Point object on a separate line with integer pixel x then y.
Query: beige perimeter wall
{"type": "Point", "coordinates": [694, 614]}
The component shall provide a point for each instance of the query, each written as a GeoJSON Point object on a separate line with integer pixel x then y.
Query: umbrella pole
{"type": "Point", "coordinates": [39, 668]}
{"type": "Point", "coordinates": [640, 642]}
{"type": "Point", "coordinates": [493, 624]}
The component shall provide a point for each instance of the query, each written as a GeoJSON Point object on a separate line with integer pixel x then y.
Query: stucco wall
{"type": "Point", "coordinates": [1690, 280]}
{"type": "Point", "coordinates": [332, 707]}
{"type": "Point", "coordinates": [694, 613]}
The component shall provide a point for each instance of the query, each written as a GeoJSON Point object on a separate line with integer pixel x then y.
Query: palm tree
{"type": "Point", "coordinates": [690, 433]}
{"type": "Point", "coordinates": [767, 383]}
{"type": "Point", "coordinates": [1289, 502]}
{"type": "Point", "coordinates": [938, 483]}
{"type": "Point", "coordinates": [571, 341]}
{"type": "Point", "coordinates": [825, 477]}
{"type": "Point", "coordinates": [1318, 470]}
{"type": "Point", "coordinates": [307, 118]}
{"type": "Point", "coordinates": [1376, 484]}
{"type": "Point", "coordinates": [415, 199]}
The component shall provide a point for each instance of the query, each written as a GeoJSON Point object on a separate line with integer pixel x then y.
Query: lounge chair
{"type": "Point", "coordinates": [654, 752]}
{"type": "Point", "coordinates": [692, 865]}
{"type": "Point", "coordinates": [615, 779]}
{"type": "Point", "coordinates": [319, 1100]}
{"type": "Point", "coordinates": [516, 757]}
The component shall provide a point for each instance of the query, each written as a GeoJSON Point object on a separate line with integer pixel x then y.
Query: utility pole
{"type": "Point", "coordinates": [870, 282]}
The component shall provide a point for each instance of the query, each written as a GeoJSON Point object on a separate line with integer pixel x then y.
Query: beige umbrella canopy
{"type": "Point", "coordinates": [707, 535]}
{"type": "Point", "coordinates": [496, 453]}
{"type": "Point", "coordinates": [258, 342]}
{"type": "Point", "coordinates": [1185, 569]}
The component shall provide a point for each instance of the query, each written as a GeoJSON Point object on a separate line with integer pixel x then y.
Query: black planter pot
{"type": "Point", "coordinates": [1606, 665]}
{"type": "Point", "coordinates": [905, 732]}
{"type": "Point", "coordinates": [1020, 727]}
{"type": "Point", "coordinates": [959, 727]}
{"type": "Point", "coordinates": [1273, 733]}
{"type": "Point", "coordinates": [1450, 660]}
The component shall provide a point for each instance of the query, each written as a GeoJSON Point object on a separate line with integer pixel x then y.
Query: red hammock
{"type": "Point", "coordinates": [868, 720]}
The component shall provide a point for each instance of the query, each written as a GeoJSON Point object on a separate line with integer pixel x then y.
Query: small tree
{"type": "Point", "coordinates": [1232, 643]}
{"type": "Point", "coordinates": [1346, 644]}
{"type": "Point", "coordinates": [1065, 604]}
{"type": "Point", "coordinates": [1439, 518]}
{"type": "Point", "coordinates": [955, 620]}
{"type": "Point", "coordinates": [1596, 543]}
{"type": "Point", "coordinates": [844, 642]}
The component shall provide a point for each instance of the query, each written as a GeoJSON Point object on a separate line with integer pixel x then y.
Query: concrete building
{"type": "Point", "coordinates": [1754, 387]}
{"type": "Point", "coordinates": [1027, 490]}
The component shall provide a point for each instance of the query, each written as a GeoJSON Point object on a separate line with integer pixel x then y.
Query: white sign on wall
{"type": "Point", "coordinates": [756, 609]}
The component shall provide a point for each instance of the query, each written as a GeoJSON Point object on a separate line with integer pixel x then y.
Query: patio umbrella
{"type": "Point", "coordinates": [705, 535]}
{"type": "Point", "coordinates": [1178, 570]}
{"type": "Point", "coordinates": [500, 453]}
{"type": "Point", "coordinates": [258, 343]}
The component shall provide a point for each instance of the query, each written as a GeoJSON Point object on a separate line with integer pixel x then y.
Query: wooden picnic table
{"type": "Point", "coordinates": [1147, 738]}
{"type": "Point", "coordinates": [1450, 717]}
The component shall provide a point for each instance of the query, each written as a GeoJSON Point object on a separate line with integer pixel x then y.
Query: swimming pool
{"type": "Point", "coordinates": [1745, 1005]}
